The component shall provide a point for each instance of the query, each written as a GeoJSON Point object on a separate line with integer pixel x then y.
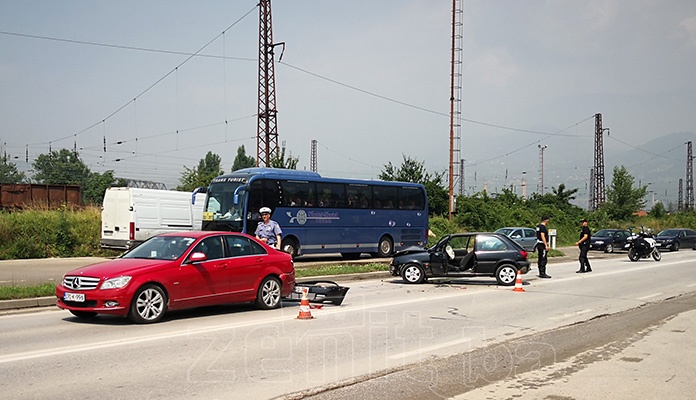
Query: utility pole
{"type": "Point", "coordinates": [541, 162]}
{"type": "Point", "coordinates": [267, 129]}
{"type": "Point", "coordinates": [455, 100]}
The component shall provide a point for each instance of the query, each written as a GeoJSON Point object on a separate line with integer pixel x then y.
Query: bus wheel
{"type": "Point", "coordinates": [385, 248]}
{"type": "Point", "coordinates": [290, 246]}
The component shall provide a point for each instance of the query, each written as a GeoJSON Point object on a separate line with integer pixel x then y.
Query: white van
{"type": "Point", "coordinates": [131, 215]}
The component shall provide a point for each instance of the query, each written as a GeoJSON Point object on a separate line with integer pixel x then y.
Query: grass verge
{"type": "Point", "coordinates": [27, 292]}
{"type": "Point", "coordinates": [341, 269]}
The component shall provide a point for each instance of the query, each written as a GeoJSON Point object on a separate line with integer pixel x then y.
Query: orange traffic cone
{"type": "Point", "coordinates": [305, 309]}
{"type": "Point", "coordinates": [518, 283]}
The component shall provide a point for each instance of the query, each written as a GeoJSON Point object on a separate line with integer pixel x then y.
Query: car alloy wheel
{"type": "Point", "coordinates": [413, 273]}
{"type": "Point", "coordinates": [609, 248]}
{"type": "Point", "coordinates": [268, 295]}
{"type": "Point", "coordinates": [149, 305]}
{"type": "Point", "coordinates": [506, 275]}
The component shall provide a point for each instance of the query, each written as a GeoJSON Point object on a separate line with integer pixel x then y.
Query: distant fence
{"type": "Point", "coordinates": [39, 195]}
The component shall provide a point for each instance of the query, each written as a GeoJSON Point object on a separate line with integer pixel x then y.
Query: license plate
{"type": "Point", "coordinates": [77, 297]}
{"type": "Point", "coordinates": [300, 289]}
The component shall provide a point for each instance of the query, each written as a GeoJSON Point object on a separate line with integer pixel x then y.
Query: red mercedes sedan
{"type": "Point", "coordinates": [179, 270]}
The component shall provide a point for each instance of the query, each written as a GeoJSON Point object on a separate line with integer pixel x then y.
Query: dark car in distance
{"type": "Point", "coordinates": [609, 240]}
{"type": "Point", "coordinates": [463, 255]}
{"type": "Point", "coordinates": [179, 270]}
{"type": "Point", "coordinates": [675, 238]}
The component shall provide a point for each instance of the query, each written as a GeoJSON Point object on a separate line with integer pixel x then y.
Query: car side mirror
{"type": "Point", "coordinates": [198, 257]}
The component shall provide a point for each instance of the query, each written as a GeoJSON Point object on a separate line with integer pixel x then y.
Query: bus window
{"type": "Point", "coordinates": [359, 196]}
{"type": "Point", "coordinates": [331, 194]}
{"type": "Point", "coordinates": [411, 198]}
{"type": "Point", "coordinates": [263, 193]}
{"type": "Point", "coordinates": [385, 196]}
{"type": "Point", "coordinates": [298, 193]}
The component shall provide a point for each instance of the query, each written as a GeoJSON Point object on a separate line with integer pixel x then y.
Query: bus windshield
{"type": "Point", "coordinates": [225, 201]}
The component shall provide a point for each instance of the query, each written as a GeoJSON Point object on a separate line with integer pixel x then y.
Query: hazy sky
{"type": "Point", "coordinates": [368, 79]}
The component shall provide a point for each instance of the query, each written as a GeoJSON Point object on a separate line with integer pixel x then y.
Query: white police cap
{"type": "Point", "coordinates": [265, 210]}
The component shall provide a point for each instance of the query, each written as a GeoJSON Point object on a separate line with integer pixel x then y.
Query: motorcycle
{"type": "Point", "coordinates": [642, 245]}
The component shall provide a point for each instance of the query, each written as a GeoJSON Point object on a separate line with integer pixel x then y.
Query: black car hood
{"type": "Point", "coordinates": [410, 250]}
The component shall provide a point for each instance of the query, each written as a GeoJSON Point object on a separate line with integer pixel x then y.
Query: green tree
{"type": "Point", "coordinates": [60, 167]}
{"type": "Point", "coordinates": [279, 160]}
{"type": "Point", "coordinates": [96, 185]}
{"type": "Point", "coordinates": [622, 198]}
{"type": "Point", "coordinates": [208, 168]}
{"type": "Point", "coordinates": [9, 172]}
{"type": "Point", "coordinates": [242, 160]}
{"type": "Point", "coordinates": [414, 171]}
{"type": "Point", "coordinates": [658, 211]}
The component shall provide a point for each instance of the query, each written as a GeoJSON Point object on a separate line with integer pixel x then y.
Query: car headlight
{"type": "Point", "coordinates": [116, 283]}
{"type": "Point", "coordinates": [599, 242]}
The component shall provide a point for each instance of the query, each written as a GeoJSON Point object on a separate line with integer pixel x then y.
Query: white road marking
{"type": "Point", "coordinates": [649, 296]}
{"type": "Point", "coordinates": [422, 350]}
{"type": "Point", "coordinates": [573, 314]}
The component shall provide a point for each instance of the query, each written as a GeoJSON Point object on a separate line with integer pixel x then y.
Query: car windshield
{"type": "Point", "coordinates": [504, 231]}
{"type": "Point", "coordinates": [604, 232]}
{"type": "Point", "coordinates": [161, 248]}
{"type": "Point", "coordinates": [668, 232]}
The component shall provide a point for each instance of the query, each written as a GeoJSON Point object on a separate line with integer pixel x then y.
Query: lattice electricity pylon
{"type": "Point", "coordinates": [689, 201]}
{"type": "Point", "coordinates": [313, 157]}
{"type": "Point", "coordinates": [598, 182]}
{"type": "Point", "coordinates": [680, 196]}
{"type": "Point", "coordinates": [267, 129]}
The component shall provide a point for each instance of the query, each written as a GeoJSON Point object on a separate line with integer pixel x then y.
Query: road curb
{"type": "Point", "coordinates": [19, 304]}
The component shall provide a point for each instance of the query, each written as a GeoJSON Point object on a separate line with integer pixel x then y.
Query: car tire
{"type": "Point", "coordinates": [413, 273]}
{"type": "Point", "coordinates": [148, 305]}
{"type": "Point", "coordinates": [83, 314]}
{"type": "Point", "coordinates": [675, 246]}
{"type": "Point", "coordinates": [268, 295]}
{"type": "Point", "coordinates": [506, 275]}
{"type": "Point", "coordinates": [609, 248]}
{"type": "Point", "coordinates": [290, 246]}
{"type": "Point", "coordinates": [385, 247]}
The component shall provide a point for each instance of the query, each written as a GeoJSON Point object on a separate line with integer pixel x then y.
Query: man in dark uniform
{"type": "Point", "coordinates": [542, 246]}
{"type": "Point", "coordinates": [584, 244]}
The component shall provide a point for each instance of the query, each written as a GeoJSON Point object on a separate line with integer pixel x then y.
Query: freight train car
{"type": "Point", "coordinates": [39, 195]}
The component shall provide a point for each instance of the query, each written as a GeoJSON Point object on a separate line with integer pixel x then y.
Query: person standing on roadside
{"type": "Point", "coordinates": [584, 244]}
{"type": "Point", "coordinates": [542, 246]}
{"type": "Point", "coordinates": [268, 231]}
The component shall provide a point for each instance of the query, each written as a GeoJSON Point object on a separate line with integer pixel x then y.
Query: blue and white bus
{"type": "Point", "coordinates": [321, 215]}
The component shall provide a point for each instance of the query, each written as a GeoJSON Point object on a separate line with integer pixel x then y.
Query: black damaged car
{"type": "Point", "coordinates": [463, 255]}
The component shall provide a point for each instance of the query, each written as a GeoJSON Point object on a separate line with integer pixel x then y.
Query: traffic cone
{"type": "Point", "coordinates": [305, 309]}
{"type": "Point", "coordinates": [518, 283]}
